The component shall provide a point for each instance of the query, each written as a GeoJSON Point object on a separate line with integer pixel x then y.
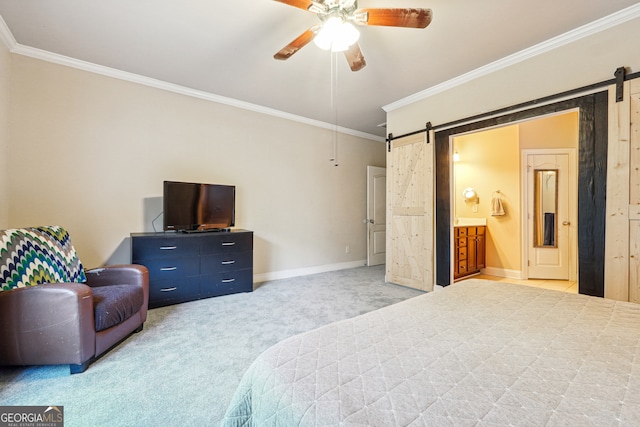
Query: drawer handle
{"type": "Point", "coordinates": [167, 248]}
{"type": "Point", "coordinates": [228, 280]}
{"type": "Point", "coordinates": [228, 243]}
{"type": "Point", "coordinates": [168, 268]}
{"type": "Point", "coordinates": [227, 262]}
{"type": "Point", "coordinates": [168, 289]}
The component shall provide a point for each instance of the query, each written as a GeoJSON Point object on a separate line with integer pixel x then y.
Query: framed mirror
{"type": "Point", "coordinates": [545, 221]}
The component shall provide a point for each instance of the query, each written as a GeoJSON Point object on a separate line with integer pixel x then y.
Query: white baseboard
{"type": "Point", "coordinates": [286, 274]}
{"type": "Point", "coordinates": [502, 272]}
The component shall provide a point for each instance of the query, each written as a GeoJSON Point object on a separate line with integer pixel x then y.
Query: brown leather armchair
{"type": "Point", "coordinates": [72, 323]}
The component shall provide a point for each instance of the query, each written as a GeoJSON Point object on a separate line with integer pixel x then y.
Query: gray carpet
{"type": "Point", "coordinates": [183, 368]}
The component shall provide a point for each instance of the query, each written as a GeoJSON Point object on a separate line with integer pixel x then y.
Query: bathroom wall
{"type": "Point", "coordinates": [490, 161]}
{"type": "Point", "coordinates": [557, 131]}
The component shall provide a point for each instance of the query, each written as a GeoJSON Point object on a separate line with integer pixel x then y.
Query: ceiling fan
{"type": "Point", "coordinates": [336, 31]}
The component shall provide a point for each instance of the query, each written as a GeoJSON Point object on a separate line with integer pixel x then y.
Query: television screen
{"type": "Point", "coordinates": [193, 206]}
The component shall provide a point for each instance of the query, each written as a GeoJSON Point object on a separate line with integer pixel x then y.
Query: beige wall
{"type": "Point", "coordinates": [92, 152]}
{"type": "Point", "coordinates": [5, 67]}
{"type": "Point", "coordinates": [569, 66]}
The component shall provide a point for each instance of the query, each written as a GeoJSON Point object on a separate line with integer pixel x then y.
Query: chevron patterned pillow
{"type": "Point", "coordinates": [32, 256]}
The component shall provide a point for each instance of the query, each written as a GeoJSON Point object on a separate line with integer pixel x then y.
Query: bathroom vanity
{"type": "Point", "coordinates": [469, 249]}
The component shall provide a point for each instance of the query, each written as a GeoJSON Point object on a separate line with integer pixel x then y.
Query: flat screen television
{"type": "Point", "coordinates": [192, 206]}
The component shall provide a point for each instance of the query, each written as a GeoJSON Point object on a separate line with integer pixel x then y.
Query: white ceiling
{"type": "Point", "coordinates": [226, 47]}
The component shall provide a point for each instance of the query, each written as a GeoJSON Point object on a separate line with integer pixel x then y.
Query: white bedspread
{"type": "Point", "coordinates": [477, 353]}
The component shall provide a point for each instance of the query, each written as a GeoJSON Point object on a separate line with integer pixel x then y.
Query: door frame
{"type": "Point", "coordinates": [592, 180]}
{"type": "Point", "coordinates": [572, 212]}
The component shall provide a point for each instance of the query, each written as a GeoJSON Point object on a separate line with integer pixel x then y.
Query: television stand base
{"type": "Point", "coordinates": [207, 230]}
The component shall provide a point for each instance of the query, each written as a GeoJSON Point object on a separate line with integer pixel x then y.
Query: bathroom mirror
{"type": "Point", "coordinates": [545, 223]}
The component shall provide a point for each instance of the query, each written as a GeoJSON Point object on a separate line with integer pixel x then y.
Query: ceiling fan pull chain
{"type": "Point", "coordinates": [334, 106]}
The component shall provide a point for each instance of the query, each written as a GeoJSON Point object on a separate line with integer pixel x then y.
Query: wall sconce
{"type": "Point", "coordinates": [470, 195]}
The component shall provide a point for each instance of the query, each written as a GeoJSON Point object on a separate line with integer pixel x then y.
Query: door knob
{"type": "Point", "coordinates": [566, 223]}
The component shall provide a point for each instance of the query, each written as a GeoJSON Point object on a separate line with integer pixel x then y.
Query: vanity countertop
{"type": "Point", "coordinates": [470, 222]}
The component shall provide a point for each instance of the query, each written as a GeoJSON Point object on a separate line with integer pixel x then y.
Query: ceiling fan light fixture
{"type": "Point", "coordinates": [336, 31]}
{"type": "Point", "coordinates": [336, 35]}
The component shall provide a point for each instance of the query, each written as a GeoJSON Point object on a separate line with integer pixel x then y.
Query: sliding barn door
{"type": "Point", "coordinates": [410, 212]}
{"type": "Point", "coordinates": [622, 249]}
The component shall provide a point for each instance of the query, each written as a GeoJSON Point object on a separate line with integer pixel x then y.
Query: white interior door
{"type": "Point", "coordinates": [376, 215]}
{"type": "Point", "coordinates": [549, 215]}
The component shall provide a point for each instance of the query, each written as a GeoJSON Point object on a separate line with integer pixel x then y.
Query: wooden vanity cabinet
{"type": "Point", "coordinates": [469, 250]}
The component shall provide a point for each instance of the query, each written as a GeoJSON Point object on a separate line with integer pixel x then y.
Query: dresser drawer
{"type": "Point", "coordinates": [177, 290]}
{"type": "Point", "coordinates": [163, 269]}
{"type": "Point", "coordinates": [226, 242]}
{"type": "Point", "coordinates": [164, 247]}
{"type": "Point", "coordinates": [225, 283]}
{"type": "Point", "coordinates": [231, 261]}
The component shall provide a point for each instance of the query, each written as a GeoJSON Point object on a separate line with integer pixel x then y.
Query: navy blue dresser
{"type": "Point", "coordinates": [189, 266]}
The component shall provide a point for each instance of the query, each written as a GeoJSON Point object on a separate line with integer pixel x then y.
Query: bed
{"type": "Point", "coordinates": [478, 353]}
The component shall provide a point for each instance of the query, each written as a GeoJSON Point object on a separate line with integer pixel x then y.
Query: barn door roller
{"type": "Point", "coordinates": [620, 75]}
{"type": "Point", "coordinates": [391, 137]}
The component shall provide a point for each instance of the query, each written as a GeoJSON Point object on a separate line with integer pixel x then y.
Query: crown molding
{"type": "Point", "coordinates": [602, 24]}
{"type": "Point", "coordinates": [182, 90]}
{"type": "Point", "coordinates": [14, 47]}
{"type": "Point", "coordinates": [6, 36]}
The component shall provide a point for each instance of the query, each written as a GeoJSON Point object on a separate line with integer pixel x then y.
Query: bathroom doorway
{"type": "Point", "coordinates": [490, 161]}
{"type": "Point", "coordinates": [592, 182]}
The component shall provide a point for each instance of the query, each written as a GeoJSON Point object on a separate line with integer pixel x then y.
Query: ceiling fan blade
{"type": "Point", "coordinates": [409, 17]}
{"type": "Point", "coordinates": [300, 4]}
{"type": "Point", "coordinates": [304, 4]}
{"type": "Point", "coordinates": [301, 41]}
{"type": "Point", "coordinates": [355, 58]}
